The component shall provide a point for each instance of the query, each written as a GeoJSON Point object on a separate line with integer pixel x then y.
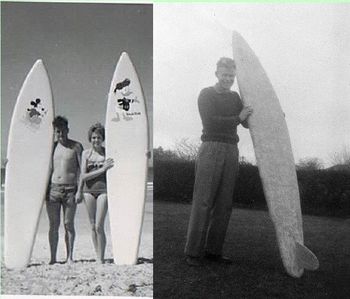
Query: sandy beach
{"type": "Point", "coordinates": [84, 277]}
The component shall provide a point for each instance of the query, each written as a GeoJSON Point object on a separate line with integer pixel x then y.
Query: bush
{"type": "Point", "coordinates": [248, 190]}
{"type": "Point", "coordinates": [174, 180]}
{"type": "Point", "coordinates": [323, 192]}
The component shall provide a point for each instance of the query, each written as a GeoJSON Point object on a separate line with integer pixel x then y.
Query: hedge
{"type": "Point", "coordinates": [322, 192]}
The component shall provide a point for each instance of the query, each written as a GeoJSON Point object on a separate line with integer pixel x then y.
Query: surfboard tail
{"type": "Point", "coordinates": [306, 258]}
{"type": "Point", "coordinates": [299, 259]}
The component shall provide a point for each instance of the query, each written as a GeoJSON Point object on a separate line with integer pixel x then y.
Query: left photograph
{"type": "Point", "coordinates": [76, 154]}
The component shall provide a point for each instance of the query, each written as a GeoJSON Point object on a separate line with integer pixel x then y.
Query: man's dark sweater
{"type": "Point", "coordinates": [220, 115]}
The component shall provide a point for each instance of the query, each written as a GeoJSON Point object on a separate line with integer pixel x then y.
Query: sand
{"type": "Point", "coordinates": [84, 277]}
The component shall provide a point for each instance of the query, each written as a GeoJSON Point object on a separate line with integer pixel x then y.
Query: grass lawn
{"type": "Point", "coordinates": [257, 271]}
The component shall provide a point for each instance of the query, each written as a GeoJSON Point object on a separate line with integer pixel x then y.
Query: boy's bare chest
{"type": "Point", "coordinates": [64, 153]}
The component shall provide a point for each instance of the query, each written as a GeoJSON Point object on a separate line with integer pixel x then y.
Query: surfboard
{"type": "Point", "coordinates": [127, 142]}
{"type": "Point", "coordinates": [27, 170]}
{"type": "Point", "coordinates": [273, 151]}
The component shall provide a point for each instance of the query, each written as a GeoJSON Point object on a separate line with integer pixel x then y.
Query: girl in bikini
{"type": "Point", "coordinates": [93, 186]}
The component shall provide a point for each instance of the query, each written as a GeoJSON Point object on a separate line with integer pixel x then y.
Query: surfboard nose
{"type": "Point", "coordinates": [236, 37]}
{"type": "Point", "coordinates": [39, 64]}
{"type": "Point", "coordinates": [124, 54]}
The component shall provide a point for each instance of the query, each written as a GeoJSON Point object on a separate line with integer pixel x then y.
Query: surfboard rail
{"type": "Point", "coordinates": [127, 142]}
{"type": "Point", "coordinates": [29, 152]}
{"type": "Point", "coordinates": [274, 155]}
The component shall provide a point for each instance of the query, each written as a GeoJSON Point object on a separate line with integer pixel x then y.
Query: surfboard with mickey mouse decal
{"type": "Point", "coordinates": [29, 151]}
{"type": "Point", "coordinates": [127, 142]}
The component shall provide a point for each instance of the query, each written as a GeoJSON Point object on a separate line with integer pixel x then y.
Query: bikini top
{"type": "Point", "coordinates": [93, 165]}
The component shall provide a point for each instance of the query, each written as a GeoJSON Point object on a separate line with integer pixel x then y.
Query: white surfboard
{"type": "Point", "coordinates": [274, 157]}
{"type": "Point", "coordinates": [27, 170]}
{"type": "Point", "coordinates": [127, 143]}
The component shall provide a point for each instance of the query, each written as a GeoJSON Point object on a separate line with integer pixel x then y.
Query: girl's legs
{"type": "Point", "coordinates": [90, 203]}
{"type": "Point", "coordinates": [101, 211]}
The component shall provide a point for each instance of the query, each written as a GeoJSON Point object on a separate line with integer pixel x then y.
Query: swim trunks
{"type": "Point", "coordinates": [62, 193]}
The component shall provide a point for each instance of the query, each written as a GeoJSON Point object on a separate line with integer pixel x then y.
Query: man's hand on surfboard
{"type": "Point", "coordinates": [246, 111]}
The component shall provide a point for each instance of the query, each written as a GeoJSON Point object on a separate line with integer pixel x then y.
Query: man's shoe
{"type": "Point", "coordinates": [218, 258]}
{"type": "Point", "coordinates": [193, 261]}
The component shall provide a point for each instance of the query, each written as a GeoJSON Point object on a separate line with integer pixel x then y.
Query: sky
{"type": "Point", "coordinates": [80, 45]}
{"type": "Point", "coordinates": [304, 49]}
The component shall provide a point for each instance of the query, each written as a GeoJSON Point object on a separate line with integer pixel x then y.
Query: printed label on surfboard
{"type": "Point", "coordinates": [34, 114]}
{"type": "Point", "coordinates": [126, 103]}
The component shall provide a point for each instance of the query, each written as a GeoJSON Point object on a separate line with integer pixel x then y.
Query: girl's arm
{"type": "Point", "coordinates": [108, 163]}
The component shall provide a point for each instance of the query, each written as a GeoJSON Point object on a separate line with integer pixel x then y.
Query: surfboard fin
{"type": "Point", "coordinates": [306, 258]}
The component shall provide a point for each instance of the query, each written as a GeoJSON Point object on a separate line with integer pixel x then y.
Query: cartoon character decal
{"type": "Point", "coordinates": [126, 100]}
{"type": "Point", "coordinates": [35, 113]}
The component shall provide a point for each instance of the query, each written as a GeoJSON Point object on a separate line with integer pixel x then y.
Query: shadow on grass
{"type": "Point", "coordinates": [257, 271]}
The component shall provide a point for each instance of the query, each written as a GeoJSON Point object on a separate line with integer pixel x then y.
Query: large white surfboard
{"type": "Point", "coordinates": [27, 170]}
{"type": "Point", "coordinates": [274, 157]}
{"type": "Point", "coordinates": [127, 143]}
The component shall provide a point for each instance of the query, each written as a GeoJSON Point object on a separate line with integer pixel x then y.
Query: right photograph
{"type": "Point", "coordinates": [251, 151]}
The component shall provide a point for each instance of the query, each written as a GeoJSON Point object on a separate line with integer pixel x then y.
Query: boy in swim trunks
{"type": "Point", "coordinates": [62, 190]}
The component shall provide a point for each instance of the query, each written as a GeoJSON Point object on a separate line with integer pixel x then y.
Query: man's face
{"type": "Point", "coordinates": [61, 134]}
{"type": "Point", "coordinates": [226, 77]}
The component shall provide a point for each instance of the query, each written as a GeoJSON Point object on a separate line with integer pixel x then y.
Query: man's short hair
{"type": "Point", "coordinates": [60, 122]}
{"type": "Point", "coordinates": [226, 62]}
{"type": "Point", "coordinates": [98, 129]}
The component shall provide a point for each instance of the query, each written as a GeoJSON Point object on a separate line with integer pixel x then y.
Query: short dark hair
{"type": "Point", "coordinates": [226, 62]}
{"type": "Point", "coordinates": [60, 122]}
{"type": "Point", "coordinates": [97, 128]}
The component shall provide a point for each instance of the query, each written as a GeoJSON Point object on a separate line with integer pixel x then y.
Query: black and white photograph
{"type": "Point", "coordinates": [175, 150]}
{"type": "Point", "coordinates": [76, 149]}
{"type": "Point", "coordinates": [251, 150]}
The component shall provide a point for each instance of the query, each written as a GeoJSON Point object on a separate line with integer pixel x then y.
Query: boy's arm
{"type": "Point", "coordinates": [207, 116]}
{"type": "Point", "coordinates": [51, 161]}
{"type": "Point", "coordinates": [50, 168]}
{"type": "Point", "coordinates": [79, 152]}
{"type": "Point", "coordinates": [245, 123]}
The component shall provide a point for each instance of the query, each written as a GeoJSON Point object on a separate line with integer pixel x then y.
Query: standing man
{"type": "Point", "coordinates": [62, 191]}
{"type": "Point", "coordinates": [221, 111]}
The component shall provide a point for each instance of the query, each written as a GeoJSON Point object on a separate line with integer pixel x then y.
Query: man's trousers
{"type": "Point", "coordinates": [216, 173]}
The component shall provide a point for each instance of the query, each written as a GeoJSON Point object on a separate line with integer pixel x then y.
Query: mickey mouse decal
{"type": "Point", "coordinates": [124, 103]}
{"type": "Point", "coordinates": [35, 112]}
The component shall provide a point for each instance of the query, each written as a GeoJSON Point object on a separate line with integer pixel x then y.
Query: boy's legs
{"type": "Point", "coordinates": [223, 204]}
{"type": "Point", "coordinates": [69, 209]}
{"type": "Point", "coordinates": [208, 173]}
{"type": "Point", "coordinates": [54, 213]}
